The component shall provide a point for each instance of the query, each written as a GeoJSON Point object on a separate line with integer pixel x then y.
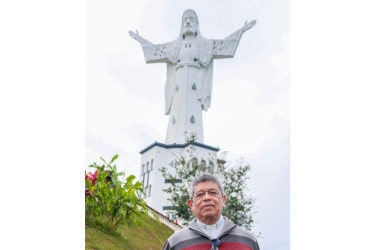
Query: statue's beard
{"type": "Point", "coordinates": [189, 31]}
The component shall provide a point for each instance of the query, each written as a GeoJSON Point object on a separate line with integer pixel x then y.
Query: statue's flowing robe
{"type": "Point", "coordinates": [208, 49]}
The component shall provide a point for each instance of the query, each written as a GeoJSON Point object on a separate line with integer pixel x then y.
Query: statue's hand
{"type": "Point", "coordinates": [134, 35]}
{"type": "Point", "coordinates": [247, 25]}
{"type": "Point", "coordinates": [138, 38]}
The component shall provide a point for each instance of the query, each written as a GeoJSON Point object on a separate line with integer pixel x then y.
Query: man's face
{"type": "Point", "coordinates": [189, 23]}
{"type": "Point", "coordinates": [207, 203]}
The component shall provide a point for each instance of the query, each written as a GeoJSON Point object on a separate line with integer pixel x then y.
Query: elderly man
{"type": "Point", "coordinates": [189, 61]}
{"type": "Point", "coordinates": [210, 230]}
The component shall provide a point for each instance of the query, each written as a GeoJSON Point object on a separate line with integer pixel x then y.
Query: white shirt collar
{"type": "Point", "coordinates": [215, 226]}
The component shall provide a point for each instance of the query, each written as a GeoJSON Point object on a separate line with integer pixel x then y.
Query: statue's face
{"type": "Point", "coordinates": [189, 23]}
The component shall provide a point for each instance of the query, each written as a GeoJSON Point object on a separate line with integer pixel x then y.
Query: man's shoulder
{"type": "Point", "coordinates": [242, 232]}
{"type": "Point", "coordinates": [181, 235]}
{"type": "Point", "coordinates": [238, 231]}
{"type": "Point", "coordinates": [182, 231]}
{"type": "Point", "coordinates": [238, 235]}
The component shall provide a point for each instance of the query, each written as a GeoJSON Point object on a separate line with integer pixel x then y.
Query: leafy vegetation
{"type": "Point", "coordinates": [110, 201]}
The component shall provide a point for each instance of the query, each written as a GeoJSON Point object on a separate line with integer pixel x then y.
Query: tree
{"type": "Point", "coordinates": [238, 206]}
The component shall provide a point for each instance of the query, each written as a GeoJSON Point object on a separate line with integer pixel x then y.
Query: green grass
{"type": "Point", "coordinates": [150, 235]}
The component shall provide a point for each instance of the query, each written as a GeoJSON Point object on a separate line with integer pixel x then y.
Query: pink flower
{"type": "Point", "coordinates": [95, 175]}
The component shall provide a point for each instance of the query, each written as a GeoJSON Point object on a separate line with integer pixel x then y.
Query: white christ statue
{"type": "Point", "coordinates": [188, 87]}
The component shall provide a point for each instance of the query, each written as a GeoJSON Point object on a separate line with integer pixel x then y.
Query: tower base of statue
{"type": "Point", "coordinates": [159, 155]}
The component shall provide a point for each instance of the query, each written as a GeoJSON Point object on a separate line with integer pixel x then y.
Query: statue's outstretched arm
{"type": "Point", "coordinates": [237, 34]}
{"type": "Point", "coordinates": [138, 38]}
{"type": "Point", "coordinates": [153, 53]}
{"type": "Point", "coordinates": [247, 25]}
{"type": "Point", "coordinates": [225, 48]}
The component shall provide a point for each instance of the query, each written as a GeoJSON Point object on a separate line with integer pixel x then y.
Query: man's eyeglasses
{"type": "Point", "coordinates": [212, 193]}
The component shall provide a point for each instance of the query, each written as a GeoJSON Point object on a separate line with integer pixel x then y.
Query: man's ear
{"type": "Point", "coordinates": [190, 204]}
{"type": "Point", "coordinates": [224, 200]}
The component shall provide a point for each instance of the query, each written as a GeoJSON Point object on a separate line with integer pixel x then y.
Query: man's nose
{"type": "Point", "coordinates": [207, 196]}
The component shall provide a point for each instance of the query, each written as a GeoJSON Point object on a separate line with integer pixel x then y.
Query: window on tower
{"type": "Point", "coordinates": [194, 162]}
{"type": "Point", "coordinates": [203, 163]}
{"type": "Point", "coordinates": [211, 167]}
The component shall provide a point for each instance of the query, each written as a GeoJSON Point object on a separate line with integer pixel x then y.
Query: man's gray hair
{"type": "Point", "coordinates": [203, 178]}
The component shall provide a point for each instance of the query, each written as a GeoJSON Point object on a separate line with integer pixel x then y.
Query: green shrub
{"type": "Point", "coordinates": [111, 202]}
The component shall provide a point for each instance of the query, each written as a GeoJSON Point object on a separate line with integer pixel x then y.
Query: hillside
{"type": "Point", "coordinates": [150, 235]}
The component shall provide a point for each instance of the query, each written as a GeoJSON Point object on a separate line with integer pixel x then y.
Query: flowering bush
{"type": "Point", "coordinates": [92, 179]}
{"type": "Point", "coordinates": [109, 201]}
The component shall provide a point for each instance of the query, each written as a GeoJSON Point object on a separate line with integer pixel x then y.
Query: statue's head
{"type": "Point", "coordinates": [190, 24]}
